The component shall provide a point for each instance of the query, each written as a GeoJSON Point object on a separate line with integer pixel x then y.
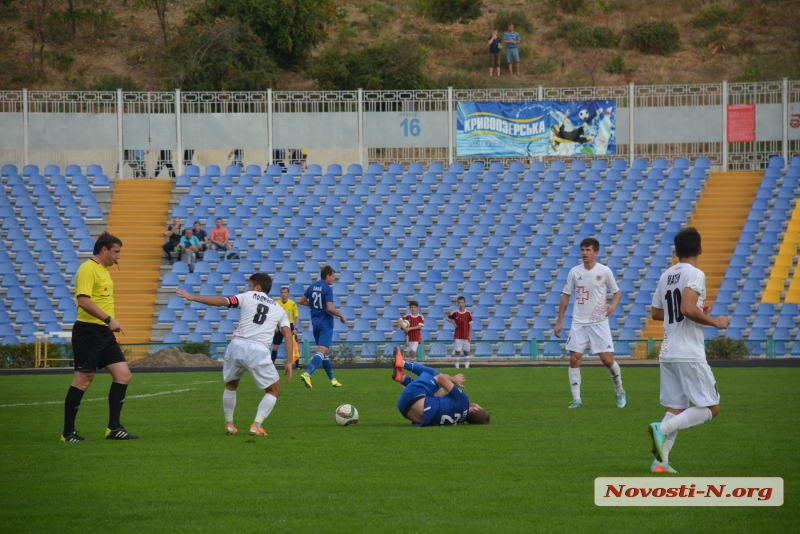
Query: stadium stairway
{"type": "Point", "coordinates": [138, 211]}
{"type": "Point", "coordinates": [719, 216]}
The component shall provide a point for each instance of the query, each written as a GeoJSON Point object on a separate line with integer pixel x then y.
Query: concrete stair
{"type": "Point", "coordinates": [719, 216]}
{"type": "Point", "coordinates": [139, 210]}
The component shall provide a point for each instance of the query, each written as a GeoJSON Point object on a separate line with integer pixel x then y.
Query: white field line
{"type": "Point", "coordinates": [100, 398]}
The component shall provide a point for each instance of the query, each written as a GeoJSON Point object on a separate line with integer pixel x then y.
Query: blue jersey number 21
{"type": "Point", "coordinates": [316, 300]}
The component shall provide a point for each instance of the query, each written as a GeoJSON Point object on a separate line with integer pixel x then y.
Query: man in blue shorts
{"type": "Point", "coordinates": [319, 297]}
{"type": "Point", "coordinates": [425, 404]}
{"type": "Point", "coordinates": [512, 39]}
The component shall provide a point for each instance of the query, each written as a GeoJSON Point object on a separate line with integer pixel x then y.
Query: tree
{"type": "Point", "coordinates": [161, 10]}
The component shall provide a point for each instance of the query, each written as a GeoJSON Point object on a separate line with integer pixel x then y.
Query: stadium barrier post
{"type": "Point", "coordinates": [534, 349]}
{"type": "Point", "coordinates": [37, 350]}
{"type": "Point", "coordinates": [25, 135]}
{"type": "Point", "coordinates": [361, 126]}
{"type": "Point", "coordinates": [651, 345]}
{"type": "Point", "coordinates": [178, 133]}
{"type": "Point", "coordinates": [631, 123]}
{"type": "Point", "coordinates": [449, 125]}
{"type": "Point", "coordinates": [421, 352]}
{"type": "Point", "coordinates": [770, 348]}
{"type": "Point", "coordinates": [120, 152]}
{"type": "Point", "coordinates": [785, 106]}
{"type": "Point", "coordinates": [725, 125]}
{"type": "Point", "coordinates": [306, 349]}
{"type": "Point", "coordinates": [269, 131]}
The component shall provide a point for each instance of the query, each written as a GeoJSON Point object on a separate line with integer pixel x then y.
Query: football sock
{"type": "Point", "coordinates": [315, 361]}
{"type": "Point", "coordinates": [406, 380]}
{"type": "Point", "coordinates": [616, 376]}
{"type": "Point", "coordinates": [265, 407]}
{"type": "Point", "coordinates": [575, 382]}
{"type": "Point", "coordinates": [466, 362]}
{"type": "Point", "coordinates": [456, 360]}
{"type": "Point", "coordinates": [228, 404]}
{"type": "Point", "coordinates": [326, 363]}
{"type": "Point", "coordinates": [418, 368]}
{"type": "Point", "coordinates": [274, 355]}
{"type": "Point", "coordinates": [670, 438]}
{"type": "Point", "coordinates": [696, 415]}
{"type": "Point", "coordinates": [116, 398]}
{"type": "Point", "coordinates": [71, 404]}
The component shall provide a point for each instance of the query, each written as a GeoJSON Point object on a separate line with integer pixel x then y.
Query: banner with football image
{"type": "Point", "coordinates": [524, 129]}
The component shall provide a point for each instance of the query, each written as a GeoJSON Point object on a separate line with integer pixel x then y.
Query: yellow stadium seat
{"type": "Point", "coordinates": [794, 226]}
{"type": "Point", "coordinates": [788, 249]}
{"type": "Point", "coordinates": [793, 296]}
{"type": "Point", "coordinates": [775, 285]}
{"type": "Point", "coordinates": [779, 272]}
{"type": "Point", "coordinates": [783, 261]}
{"type": "Point", "coordinates": [771, 297]}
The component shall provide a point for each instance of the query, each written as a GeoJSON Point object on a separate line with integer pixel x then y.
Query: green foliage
{"type": "Point", "coordinates": [566, 6]}
{"type": "Point", "coordinates": [580, 35]}
{"type": "Point", "coordinates": [449, 11]}
{"type": "Point", "coordinates": [615, 65]}
{"type": "Point", "coordinates": [9, 9]}
{"type": "Point", "coordinates": [196, 348]}
{"type": "Point", "coordinates": [112, 82]}
{"type": "Point", "coordinates": [391, 64]}
{"type": "Point", "coordinates": [437, 40]}
{"type": "Point", "coordinates": [378, 16]}
{"type": "Point", "coordinates": [343, 353]}
{"type": "Point", "coordinates": [23, 356]}
{"type": "Point", "coordinates": [284, 31]}
{"type": "Point", "coordinates": [546, 66]}
{"type": "Point", "coordinates": [726, 348]}
{"type": "Point", "coordinates": [520, 20]}
{"type": "Point", "coordinates": [716, 15]}
{"type": "Point", "coordinates": [658, 37]}
{"type": "Point", "coordinates": [751, 72]}
{"type": "Point", "coordinates": [459, 80]}
{"type": "Point", "coordinates": [223, 55]}
{"type": "Point", "coordinates": [58, 60]}
{"type": "Point", "coordinates": [716, 36]}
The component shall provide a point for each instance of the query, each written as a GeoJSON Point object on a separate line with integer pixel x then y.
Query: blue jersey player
{"type": "Point", "coordinates": [319, 297]}
{"type": "Point", "coordinates": [423, 401]}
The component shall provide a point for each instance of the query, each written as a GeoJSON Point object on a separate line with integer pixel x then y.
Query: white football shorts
{"type": "Point", "coordinates": [682, 382]}
{"type": "Point", "coordinates": [245, 355]}
{"type": "Point", "coordinates": [413, 345]}
{"type": "Point", "coordinates": [461, 345]}
{"type": "Point", "coordinates": [596, 336]}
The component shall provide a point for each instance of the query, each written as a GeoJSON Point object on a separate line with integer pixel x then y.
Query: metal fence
{"type": "Point", "coordinates": [130, 133]}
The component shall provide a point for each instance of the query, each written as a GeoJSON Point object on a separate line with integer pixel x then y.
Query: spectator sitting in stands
{"type": "Point", "coordinates": [220, 238]}
{"type": "Point", "coordinates": [201, 235]}
{"type": "Point", "coordinates": [173, 235]}
{"type": "Point", "coordinates": [191, 248]}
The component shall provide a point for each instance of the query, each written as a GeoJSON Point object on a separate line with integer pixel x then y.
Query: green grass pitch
{"type": "Point", "coordinates": [531, 470]}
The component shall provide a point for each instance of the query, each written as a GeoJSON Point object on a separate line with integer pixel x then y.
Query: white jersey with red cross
{"type": "Point", "coordinates": [590, 288]}
{"type": "Point", "coordinates": [258, 318]}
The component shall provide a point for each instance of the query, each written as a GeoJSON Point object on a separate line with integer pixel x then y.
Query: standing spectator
{"type": "Point", "coordinates": [494, 52]}
{"type": "Point", "coordinates": [299, 157]}
{"type": "Point", "coordinates": [462, 318]}
{"type": "Point", "coordinates": [248, 350]}
{"type": "Point", "coordinates": [135, 159]}
{"type": "Point", "coordinates": [319, 297]}
{"type": "Point", "coordinates": [191, 248]}
{"type": "Point", "coordinates": [201, 235]}
{"type": "Point", "coordinates": [164, 161]}
{"type": "Point", "coordinates": [238, 157]}
{"type": "Point", "coordinates": [685, 374]}
{"type": "Point", "coordinates": [414, 330]}
{"type": "Point", "coordinates": [590, 281]}
{"type": "Point", "coordinates": [292, 315]}
{"type": "Point", "coordinates": [93, 342]}
{"type": "Point", "coordinates": [188, 156]}
{"type": "Point", "coordinates": [173, 235]}
{"type": "Point", "coordinates": [220, 237]}
{"type": "Point", "coordinates": [278, 157]}
{"type": "Point", "coordinates": [512, 39]}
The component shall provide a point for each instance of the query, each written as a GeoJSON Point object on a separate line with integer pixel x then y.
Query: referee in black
{"type": "Point", "coordinates": [93, 342]}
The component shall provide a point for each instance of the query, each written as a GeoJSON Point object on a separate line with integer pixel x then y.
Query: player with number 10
{"type": "Point", "coordinates": [249, 350]}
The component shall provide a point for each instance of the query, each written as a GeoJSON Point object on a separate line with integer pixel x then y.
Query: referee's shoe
{"type": "Point", "coordinates": [119, 433]}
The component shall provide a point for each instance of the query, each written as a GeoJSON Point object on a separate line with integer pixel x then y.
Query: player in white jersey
{"type": "Point", "coordinates": [249, 350]}
{"type": "Point", "coordinates": [590, 282]}
{"type": "Point", "coordinates": [685, 374]}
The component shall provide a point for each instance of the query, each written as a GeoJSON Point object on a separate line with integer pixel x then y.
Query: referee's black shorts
{"type": "Point", "coordinates": [277, 339]}
{"type": "Point", "coordinates": [94, 347]}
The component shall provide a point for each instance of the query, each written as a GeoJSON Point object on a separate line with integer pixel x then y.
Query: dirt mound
{"type": "Point", "coordinates": [173, 357]}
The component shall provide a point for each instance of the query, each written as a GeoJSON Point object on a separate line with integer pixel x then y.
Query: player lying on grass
{"type": "Point", "coordinates": [433, 398]}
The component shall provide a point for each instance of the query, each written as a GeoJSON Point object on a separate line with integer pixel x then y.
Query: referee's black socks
{"type": "Point", "coordinates": [71, 405]}
{"type": "Point", "coordinates": [116, 398]}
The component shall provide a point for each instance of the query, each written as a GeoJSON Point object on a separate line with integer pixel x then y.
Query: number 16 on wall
{"type": "Point", "coordinates": [410, 127]}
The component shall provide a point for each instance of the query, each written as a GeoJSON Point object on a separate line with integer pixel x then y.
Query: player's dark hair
{"type": "Point", "coordinates": [326, 272]}
{"type": "Point", "coordinates": [414, 303]}
{"type": "Point", "coordinates": [687, 243]}
{"type": "Point", "coordinates": [105, 240]}
{"type": "Point", "coordinates": [461, 298]}
{"type": "Point", "coordinates": [591, 242]}
{"type": "Point", "coordinates": [285, 287]}
{"type": "Point", "coordinates": [262, 280]}
{"type": "Point", "coordinates": [479, 417]}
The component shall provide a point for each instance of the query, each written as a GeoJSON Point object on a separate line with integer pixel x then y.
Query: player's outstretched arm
{"type": "Point", "coordinates": [208, 301]}
{"type": "Point", "coordinates": [689, 309]}
{"type": "Point", "coordinates": [302, 301]}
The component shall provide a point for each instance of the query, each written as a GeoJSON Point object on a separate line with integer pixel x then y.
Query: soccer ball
{"type": "Point", "coordinates": [402, 323]}
{"type": "Point", "coordinates": [583, 114]}
{"type": "Point", "coordinates": [346, 415]}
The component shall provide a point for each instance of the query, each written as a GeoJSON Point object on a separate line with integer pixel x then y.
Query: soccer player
{"type": "Point", "coordinates": [319, 297]}
{"type": "Point", "coordinates": [290, 307]}
{"type": "Point", "coordinates": [93, 342]}
{"type": "Point", "coordinates": [462, 318]}
{"type": "Point", "coordinates": [685, 374]}
{"type": "Point", "coordinates": [425, 404]}
{"type": "Point", "coordinates": [414, 330]}
{"type": "Point", "coordinates": [249, 348]}
{"type": "Point", "coordinates": [590, 281]}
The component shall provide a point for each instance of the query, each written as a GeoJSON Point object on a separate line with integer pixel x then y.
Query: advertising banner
{"type": "Point", "coordinates": [741, 123]}
{"type": "Point", "coordinates": [524, 129]}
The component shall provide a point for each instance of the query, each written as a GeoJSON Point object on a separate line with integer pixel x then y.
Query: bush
{"type": "Point", "coordinates": [60, 61]}
{"type": "Point", "coordinates": [716, 15]}
{"type": "Point", "coordinates": [388, 65]}
{"type": "Point", "coordinates": [545, 66]}
{"type": "Point", "coordinates": [23, 356]}
{"type": "Point", "coordinates": [437, 40]}
{"type": "Point", "coordinates": [449, 11]}
{"type": "Point", "coordinates": [566, 6]}
{"type": "Point", "coordinates": [519, 19]}
{"type": "Point", "coordinates": [726, 348]}
{"type": "Point", "coordinates": [659, 37]}
{"type": "Point", "coordinates": [579, 35]}
{"type": "Point", "coordinates": [196, 348]}
{"type": "Point", "coordinates": [112, 82]}
{"type": "Point", "coordinates": [615, 64]}
{"type": "Point", "coordinates": [378, 16]}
